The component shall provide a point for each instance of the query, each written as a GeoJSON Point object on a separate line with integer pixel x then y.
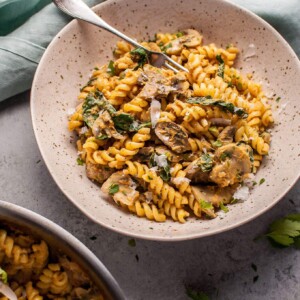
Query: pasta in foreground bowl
{"type": "Point", "coordinates": [172, 145]}
{"type": "Point", "coordinates": [39, 260]}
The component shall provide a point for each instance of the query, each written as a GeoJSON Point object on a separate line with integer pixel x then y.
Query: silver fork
{"type": "Point", "coordinates": [79, 10]}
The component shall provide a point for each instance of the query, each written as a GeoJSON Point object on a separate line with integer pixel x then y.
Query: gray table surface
{"type": "Point", "coordinates": [219, 265]}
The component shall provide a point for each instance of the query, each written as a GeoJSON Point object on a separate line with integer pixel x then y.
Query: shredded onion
{"type": "Point", "coordinates": [7, 291]}
{"type": "Point", "coordinates": [155, 112]}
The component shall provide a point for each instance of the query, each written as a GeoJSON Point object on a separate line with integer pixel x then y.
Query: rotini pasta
{"type": "Point", "coordinates": [172, 145]}
{"type": "Point", "coordinates": [33, 273]}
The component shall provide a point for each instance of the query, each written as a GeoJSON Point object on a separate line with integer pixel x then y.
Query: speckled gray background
{"type": "Point", "coordinates": [219, 265]}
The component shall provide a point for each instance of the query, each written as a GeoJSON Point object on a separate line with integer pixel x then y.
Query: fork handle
{"type": "Point", "coordinates": [79, 10]}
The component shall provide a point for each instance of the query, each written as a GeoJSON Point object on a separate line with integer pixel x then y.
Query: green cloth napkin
{"type": "Point", "coordinates": [21, 50]}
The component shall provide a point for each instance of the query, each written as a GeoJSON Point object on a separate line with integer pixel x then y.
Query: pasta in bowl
{"type": "Point", "coordinates": [198, 117]}
{"type": "Point", "coordinates": [165, 144]}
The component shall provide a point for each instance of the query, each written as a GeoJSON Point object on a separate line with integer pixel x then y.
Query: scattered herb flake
{"type": "Point", "coordinates": [96, 69]}
{"type": "Point", "coordinates": [123, 121]}
{"type": "Point", "coordinates": [3, 276]}
{"type": "Point", "coordinates": [102, 137]}
{"type": "Point", "coordinates": [254, 183]}
{"type": "Point", "coordinates": [114, 188]}
{"type": "Point", "coordinates": [131, 243]}
{"type": "Point", "coordinates": [262, 181]}
{"type": "Point", "coordinates": [278, 99]}
{"type": "Point", "coordinates": [179, 34]}
{"type": "Point", "coordinates": [80, 162]}
{"type": "Point", "coordinates": [205, 162]}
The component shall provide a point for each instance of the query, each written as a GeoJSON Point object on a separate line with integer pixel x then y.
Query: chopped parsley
{"type": "Point", "coordinates": [80, 162]}
{"type": "Point", "coordinates": [111, 68]}
{"type": "Point", "coordinates": [114, 188]}
{"type": "Point", "coordinates": [224, 207]}
{"type": "Point", "coordinates": [132, 243]}
{"type": "Point", "coordinates": [286, 231]}
{"type": "Point", "coordinates": [205, 162]}
{"type": "Point", "coordinates": [221, 68]}
{"type": "Point", "coordinates": [123, 121]}
{"type": "Point", "coordinates": [165, 48]}
{"type": "Point", "coordinates": [224, 155]}
{"type": "Point", "coordinates": [139, 55]}
{"type": "Point", "coordinates": [278, 99]}
{"type": "Point", "coordinates": [179, 34]}
{"type": "Point", "coordinates": [102, 137]}
{"type": "Point", "coordinates": [262, 181]}
{"type": "Point", "coordinates": [206, 205]}
{"type": "Point", "coordinates": [196, 295]}
{"type": "Point", "coordinates": [163, 172]}
{"type": "Point", "coordinates": [217, 143]}
{"type": "Point", "coordinates": [227, 106]}
{"type": "Point", "coordinates": [3, 276]}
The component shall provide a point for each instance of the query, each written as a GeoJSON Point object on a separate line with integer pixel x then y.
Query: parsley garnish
{"type": "Point", "coordinates": [123, 121]}
{"type": "Point", "coordinates": [3, 276]}
{"type": "Point", "coordinates": [262, 181]}
{"type": "Point", "coordinates": [224, 208]}
{"type": "Point", "coordinates": [131, 243]}
{"type": "Point", "coordinates": [196, 295]}
{"type": "Point", "coordinates": [217, 143]}
{"type": "Point", "coordinates": [286, 231]}
{"type": "Point", "coordinates": [80, 162]}
{"type": "Point", "coordinates": [224, 155]}
{"type": "Point", "coordinates": [140, 56]}
{"type": "Point", "coordinates": [278, 99]}
{"type": "Point", "coordinates": [221, 68]}
{"type": "Point", "coordinates": [179, 34]}
{"type": "Point", "coordinates": [102, 137]}
{"type": "Point", "coordinates": [206, 205]}
{"type": "Point", "coordinates": [206, 101]}
{"type": "Point", "coordinates": [114, 188]}
{"type": "Point", "coordinates": [165, 48]}
{"type": "Point", "coordinates": [111, 68]}
{"type": "Point", "coordinates": [205, 163]}
{"type": "Point", "coordinates": [163, 172]}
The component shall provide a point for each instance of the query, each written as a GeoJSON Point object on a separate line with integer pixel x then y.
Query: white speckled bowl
{"type": "Point", "coordinates": [74, 52]}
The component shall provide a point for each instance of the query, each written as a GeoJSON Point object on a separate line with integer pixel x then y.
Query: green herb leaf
{"type": "Point", "coordinates": [196, 295]}
{"type": "Point", "coordinates": [224, 208]}
{"type": "Point", "coordinates": [262, 181]}
{"type": "Point", "coordinates": [135, 126]}
{"type": "Point", "coordinates": [132, 243]}
{"type": "Point", "coordinates": [163, 172]}
{"type": "Point", "coordinates": [217, 143]}
{"type": "Point", "coordinates": [221, 68]}
{"type": "Point", "coordinates": [102, 137]}
{"type": "Point", "coordinates": [111, 68]}
{"type": "Point", "coordinates": [123, 121]}
{"type": "Point", "coordinates": [205, 163]}
{"type": "Point", "coordinates": [227, 106]}
{"type": "Point", "coordinates": [278, 99]}
{"type": "Point", "coordinates": [3, 276]}
{"type": "Point", "coordinates": [206, 205]}
{"type": "Point", "coordinates": [179, 34]}
{"type": "Point", "coordinates": [114, 188]}
{"type": "Point", "coordinates": [165, 48]}
{"type": "Point", "coordinates": [140, 56]}
{"type": "Point", "coordinates": [224, 155]}
{"type": "Point", "coordinates": [80, 162]}
{"type": "Point", "coordinates": [286, 231]}
{"type": "Point", "coordinates": [92, 105]}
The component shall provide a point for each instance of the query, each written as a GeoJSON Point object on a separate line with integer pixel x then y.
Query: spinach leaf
{"type": "Point", "coordinates": [140, 56]}
{"type": "Point", "coordinates": [123, 121]}
{"type": "Point", "coordinates": [163, 171]}
{"type": "Point", "coordinates": [227, 106]}
{"type": "Point", "coordinates": [221, 68]}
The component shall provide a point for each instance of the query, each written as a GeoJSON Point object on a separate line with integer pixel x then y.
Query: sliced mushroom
{"type": "Point", "coordinates": [232, 164]}
{"type": "Point", "coordinates": [191, 38]}
{"type": "Point", "coordinates": [144, 154]}
{"type": "Point", "coordinates": [105, 124]}
{"type": "Point", "coordinates": [173, 136]}
{"type": "Point", "coordinates": [213, 194]}
{"type": "Point", "coordinates": [196, 173]}
{"type": "Point", "coordinates": [126, 188]}
{"type": "Point", "coordinates": [155, 84]}
{"type": "Point", "coordinates": [98, 173]}
{"type": "Point", "coordinates": [227, 134]}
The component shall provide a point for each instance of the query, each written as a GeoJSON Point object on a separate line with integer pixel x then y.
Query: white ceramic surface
{"type": "Point", "coordinates": [75, 51]}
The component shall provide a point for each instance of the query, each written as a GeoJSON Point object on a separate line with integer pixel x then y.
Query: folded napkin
{"type": "Point", "coordinates": [21, 50]}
